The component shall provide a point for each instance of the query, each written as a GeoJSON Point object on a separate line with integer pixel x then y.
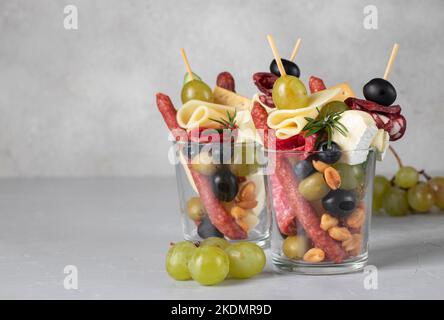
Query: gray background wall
{"type": "Point", "coordinates": [80, 103]}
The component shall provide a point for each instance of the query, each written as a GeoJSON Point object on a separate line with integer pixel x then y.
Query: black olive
{"type": "Point", "coordinates": [380, 91]}
{"type": "Point", "coordinates": [224, 184]}
{"type": "Point", "coordinates": [206, 229]}
{"type": "Point", "coordinates": [290, 67]}
{"type": "Point", "coordinates": [329, 154]}
{"type": "Point", "coordinates": [304, 168]}
{"type": "Point", "coordinates": [340, 203]}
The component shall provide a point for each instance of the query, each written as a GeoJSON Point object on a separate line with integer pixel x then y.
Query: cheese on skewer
{"type": "Point", "coordinates": [290, 122]}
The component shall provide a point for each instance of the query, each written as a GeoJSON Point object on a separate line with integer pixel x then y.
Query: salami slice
{"type": "Point", "coordinates": [220, 218]}
{"type": "Point", "coordinates": [167, 110]}
{"type": "Point", "coordinates": [388, 118]}
{"type": "Point", "coordinates": [370, 106]}
{"type": "Point", "coordinates": [285, 217]}
{"type": "Point", "coordinates": [289, 205]}
{"type": "Point", "coordinates": [225, 80]}
{"type": "Point", "coordinates": [305, 214]}
{"type": "Point", "coordinates": [267, 100]}
{"type": "Point", "coordinates": [316, 84]}
{"type": "Point", "coordinates": [264, 81]}
{"type": "Point", "coordinates": [259, 116]}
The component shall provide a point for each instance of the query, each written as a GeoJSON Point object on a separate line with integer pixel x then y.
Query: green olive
{"type": "Point", "coordinates": [351, 176]}
{"type": "Point", "coordinates": [314, 187]}
{"type": "Point", "coordinates": [294, 247]}
{"type": "Point", "coordinates": [244, 162]}
{"type": "Point", "coordinates": [195, 209]}
{"type": "Point", "coordinates": [204, 164]}
{"type": "Point", "coordinates": [196, 90]}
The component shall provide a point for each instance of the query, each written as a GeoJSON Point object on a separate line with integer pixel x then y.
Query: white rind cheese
{"type": "Point", "coordinates": [381, 142]}
{"type": "Point", "coordinates": [361, 132]}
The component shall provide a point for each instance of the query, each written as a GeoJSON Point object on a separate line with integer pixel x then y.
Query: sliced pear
{"type": "Point", "coordinates": [228, 98]}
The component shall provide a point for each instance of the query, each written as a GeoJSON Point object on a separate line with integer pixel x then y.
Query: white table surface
{"type": "Point", "coordinates": [116, 231]}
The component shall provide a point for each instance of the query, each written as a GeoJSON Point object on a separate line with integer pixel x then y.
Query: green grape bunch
{"type": "Point", "coordinates": [409, 191]}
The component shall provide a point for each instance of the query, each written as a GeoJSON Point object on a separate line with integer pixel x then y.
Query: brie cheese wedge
{"type": "Point", "coordinates": [361, 130]}
{"type": "Point", "coordinates": [381, 142]}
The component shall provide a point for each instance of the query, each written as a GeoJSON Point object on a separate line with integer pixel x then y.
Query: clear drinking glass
{"type": "Point", "coordinates": [222, 191]}
{"type": "Point", "coordinates": [320, 222]}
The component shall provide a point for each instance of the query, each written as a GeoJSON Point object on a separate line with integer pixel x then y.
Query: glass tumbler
{"type": "Point", "coordinates": [222, 191]}
{"type": "Point", "coordinates": [321, 206]}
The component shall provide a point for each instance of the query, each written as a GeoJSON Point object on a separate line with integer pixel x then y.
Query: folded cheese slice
{"type": "Point", "coordinates": [195, 113]}
{"type": "Point", "coordinates": [289, 122]}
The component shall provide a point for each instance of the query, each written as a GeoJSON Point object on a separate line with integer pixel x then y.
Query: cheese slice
{"type": "Point", "coordinates": [290, 122]}
{"type": "Point", "coordinates": [344, 93]}
{"type": "Point", "coordinates": [195, 113]}
{"type": "Point", "coordinates": [229, 98]}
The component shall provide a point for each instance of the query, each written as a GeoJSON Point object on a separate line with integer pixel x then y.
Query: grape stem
{"type": "Point", "coordinates": [397, 157]}
{"type": "Point", "coordinates": [425, 175]}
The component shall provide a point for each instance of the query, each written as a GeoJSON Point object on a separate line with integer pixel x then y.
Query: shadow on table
{"type": "Point", "coordinates": [410, 253]}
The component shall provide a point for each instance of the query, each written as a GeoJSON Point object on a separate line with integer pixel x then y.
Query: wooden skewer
{"type": "Point", "coordinates": [187, 64]}
{"type": "Point", "coordinates": [388, 69]}
{"type": "Point", "coordinates": [295, 50]}
{"type": "Point", "coordinates": [277, 57]}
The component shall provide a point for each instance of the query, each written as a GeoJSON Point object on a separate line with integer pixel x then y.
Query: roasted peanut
{"type": "Point", "coordinates": [357, 218]}
{"type": "Point", "coordinates": [238, 213]}
{"type": "Point", "coordinates": [248, 192]}
{"type": "Point", "coordinates": [228, 205]}
{"type": "Point", "coordinates": [328, 221]}
{"type": "Point", "coordinates": [353, 244]}
{"type": "Point", "coordinates": [320, 166]}
{"type": "Point", "coordinates": [339, 233]}
{"type": "Point", "coordinates": [247, 204]}
{"type": "Point", "coordinates": [314, 255]}
{"type": "Point", "coordinates": [332, 178]}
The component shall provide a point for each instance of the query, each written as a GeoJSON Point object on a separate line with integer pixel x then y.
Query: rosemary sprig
{"type": "Point", "coordinates": [229, 123]}
{"type": "Point", "coordinates": [325, 124]}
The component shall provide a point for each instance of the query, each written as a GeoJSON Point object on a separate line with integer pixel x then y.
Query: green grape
{"type": "Point", "coordinates": [380, 186]}
{"type": "Point", "coordinates": [244, 162]}
{"type": "Point", "coordinates": [406, 177]}
{"type": "Point", "coordinates": [395, 202]}
{"type": "Point", "coordinates": [204, 164]}
{"type": "Point", "coordinates": [187, 78]}
{"type": "Point", "coordinates": [215, 242]}
{"type": "Point", "coordinates": [177, 260]}
{"type": "Point", "coordinates": [420, 197]}
{"type": "Point", "coordinates": [294, 247]}
{"type": "Point", "coordinates": [377, 204]}
{"type": "Point", "coordinates": [351, 176]}
{"type": "Point", "coordinates": [314, 187]}
{"type": "Point", "coordinates": [209, 265]}
{"type": "Point", "coordinates": [196, 90]}
{"type": "Point", "coordinates": [289, 93]}
{"type": "Point", "coordinates": [246, 260]}
{"type": "Point", "coordinates": [195, 209]}
{"type": "Point", "coordinates": [332, 107]}
{"type": "Point", "coordinates": [437, 185]}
